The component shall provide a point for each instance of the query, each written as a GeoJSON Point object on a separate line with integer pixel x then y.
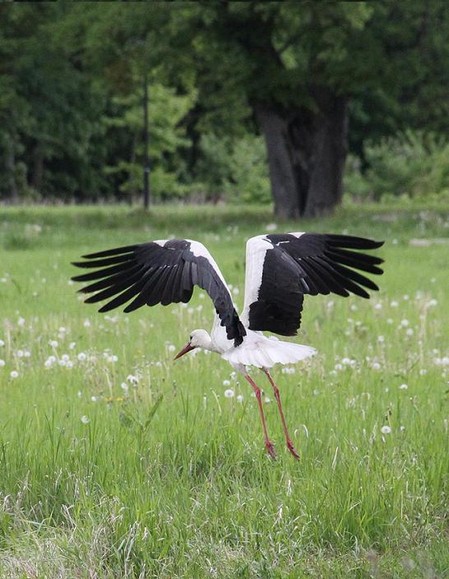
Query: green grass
{"type": "Point", "coordinates": [102, 475]}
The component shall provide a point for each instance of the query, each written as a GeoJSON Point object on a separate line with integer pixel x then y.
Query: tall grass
{"type": "Point", "coordinates": [117, 462]}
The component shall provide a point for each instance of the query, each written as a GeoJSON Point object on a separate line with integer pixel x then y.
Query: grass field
{"type": "Point", "coordinates": [117, 462]}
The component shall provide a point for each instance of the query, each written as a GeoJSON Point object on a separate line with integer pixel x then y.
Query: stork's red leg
{"type": "Point", "coordinates": [277, 395]}
{"type": "Point", "coordinates": [268, 444]}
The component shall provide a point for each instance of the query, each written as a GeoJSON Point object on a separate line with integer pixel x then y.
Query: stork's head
{"type": "Point", "coordinates": [197, 339]}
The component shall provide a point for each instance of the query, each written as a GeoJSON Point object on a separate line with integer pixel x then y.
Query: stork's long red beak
{"type": "Point", "coordinates": [187, 348]}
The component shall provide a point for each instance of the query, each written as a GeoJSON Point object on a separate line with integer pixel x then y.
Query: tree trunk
{"type": "Point", "coordinates": [37, 174]}
{"type": "Point", "coordinates": [306, 155]}
{"type": "Point", "coordinates": [10, 166]}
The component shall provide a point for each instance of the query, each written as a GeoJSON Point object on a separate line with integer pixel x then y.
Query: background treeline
{"type": "Point", "coordinates": [224, 80]}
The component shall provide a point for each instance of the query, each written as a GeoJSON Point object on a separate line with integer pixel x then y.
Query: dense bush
{"type": "Point", "coordinates": [413, 164]}
{"type": "Point", "coordinates": [234, 169]}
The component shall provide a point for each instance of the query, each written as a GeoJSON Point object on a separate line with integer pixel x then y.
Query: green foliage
{"type": "Point", "coordinates": [71, 78]}
{"type": "Point", "coordinates": [167, 139]}
{"type": "Point", "coordinates": [234, 169]}
{"type": "Point", "coordinates": [411, 164]}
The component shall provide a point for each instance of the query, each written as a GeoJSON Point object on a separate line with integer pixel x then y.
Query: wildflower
{"type": "Point", "coordinates": [386, 429]}
{"type": "Point", "coordinates": [50, 361]}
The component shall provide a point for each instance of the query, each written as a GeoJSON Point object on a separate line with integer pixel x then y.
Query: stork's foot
{"type": "Point", "coordinates": [270, 449]}
{"type": "Point", "coordinates": [292, 449]}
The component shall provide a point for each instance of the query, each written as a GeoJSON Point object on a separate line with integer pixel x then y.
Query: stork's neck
{"type": "Point", "coordinates": [219, 339]}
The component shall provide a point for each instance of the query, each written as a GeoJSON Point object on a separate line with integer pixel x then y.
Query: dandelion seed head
{"type": "Point", "coordinates": [229, 393]}
{"type": "Point", "coordinates": [403, 387]}
{"type": "Point", "coordinates": [85, 419]}
{"type": "Point", "coordinates": [386, 429]}
{"type": "Point", "coordinates": [14, 374]}
{"type": "Point", "coordinates": [2, 363]}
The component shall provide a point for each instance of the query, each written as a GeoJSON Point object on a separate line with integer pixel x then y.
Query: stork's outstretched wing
{"type": "Point", "coordinates": [162, 271]}
{"type": "Point", "coordinates": [282, 268]}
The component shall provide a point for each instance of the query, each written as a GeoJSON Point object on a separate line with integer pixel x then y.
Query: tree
{"type": "Point", "coordinates": [304, 68]}
{"type": "Point", "coordinates": [289, 63]}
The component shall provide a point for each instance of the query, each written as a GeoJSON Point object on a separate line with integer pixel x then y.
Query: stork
{"type": "Point", "coordinates": [280, 270]}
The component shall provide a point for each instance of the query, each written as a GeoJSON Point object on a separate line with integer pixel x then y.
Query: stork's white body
{"type": "Point", "coordinates": [256, 349]}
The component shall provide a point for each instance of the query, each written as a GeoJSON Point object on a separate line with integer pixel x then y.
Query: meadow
{"type": "Point", "coordinates": [116, 461]}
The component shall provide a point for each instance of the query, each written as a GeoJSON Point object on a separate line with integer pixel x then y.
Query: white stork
{"type": "Point", "coordinates": [280, 270]}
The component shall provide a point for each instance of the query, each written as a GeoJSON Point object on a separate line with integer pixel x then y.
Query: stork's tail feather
{"type": "Point", "coordinates": [268, 354]}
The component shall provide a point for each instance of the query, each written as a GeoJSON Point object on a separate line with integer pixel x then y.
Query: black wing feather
{"type": "Point", "coordinates": [310, 263]}
{"type": "Point", "coordinates": [157, 272]}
